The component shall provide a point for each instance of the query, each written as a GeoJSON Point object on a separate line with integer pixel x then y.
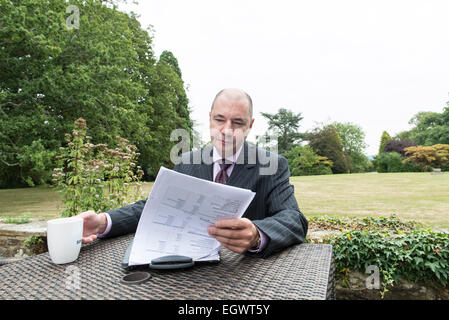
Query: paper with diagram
{"type": "Point", "coordinates": [177, 213]}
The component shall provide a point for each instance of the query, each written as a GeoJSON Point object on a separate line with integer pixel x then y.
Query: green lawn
{"type": "Point", "coordinates": [38, 202]}
{"type": "Point", "coordinates": [411, 196]}
{"type": "Point", "coordinates": [41, 203]}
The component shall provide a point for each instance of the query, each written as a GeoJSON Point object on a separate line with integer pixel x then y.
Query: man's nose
{"type": "Point", "coordinates": [227, 128]}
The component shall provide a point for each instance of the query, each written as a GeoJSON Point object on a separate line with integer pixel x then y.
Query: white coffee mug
{"type": "Point", "coordinates": [64, 239]}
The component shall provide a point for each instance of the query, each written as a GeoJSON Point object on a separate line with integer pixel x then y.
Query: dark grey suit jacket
{"type": "Point", "coordinates": [274, 209]}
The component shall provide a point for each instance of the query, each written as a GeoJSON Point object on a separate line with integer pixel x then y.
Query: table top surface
{"type": "Point", "coordinates": [303, 271]}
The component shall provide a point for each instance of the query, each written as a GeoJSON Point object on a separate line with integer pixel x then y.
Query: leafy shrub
{"type": "Point", "coordinates": [36, 244]}
{"type": "Point", "coordinates": [431, 156]}
{"type": "Point", "coordinates": [94, 177]}
{"type": "Point", "coordinates": [327, 142]}
{"type": "Point", "coordinates": [17, 219]}
{"type": "Point", "coordinates": [392, 223]}
{"type": "Point", "coordinates": [393, 162]}
{"type": "Point", "coordinates": [359, 162]}
{"type": "Point", "coordinates": [389, 162]}
{"type": "Point", "coordinates": [36, 163]}
{"type": "Point", "coordinates": [370, 167]}
{"type": "Point", "coordinates": [400, 249]}
{"type": "Point", "coordinates": [303, 161]}
{"type": "Point", "coordinates": [420, 255]}
{"type": "Point", "coordinates": [397, 145]}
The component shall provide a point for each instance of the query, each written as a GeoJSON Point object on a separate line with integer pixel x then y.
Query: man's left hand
{"type": "Point", "coordinates": [237, 235]}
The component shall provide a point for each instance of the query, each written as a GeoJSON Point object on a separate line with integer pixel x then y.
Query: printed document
{"type": "Point", "coordinates": [177, 214]}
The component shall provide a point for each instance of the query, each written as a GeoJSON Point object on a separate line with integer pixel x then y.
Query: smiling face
{"type": "Point", "coordinates": [230, 121]}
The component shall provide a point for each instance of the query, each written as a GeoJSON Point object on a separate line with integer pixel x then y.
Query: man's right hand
{"type": "Point", "coordinates": [94, 223]}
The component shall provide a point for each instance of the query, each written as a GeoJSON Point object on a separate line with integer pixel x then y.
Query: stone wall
{"type": "Point", "coordinates": [356, 289]}
{"type": "Point", "coordinates": [12, 238]}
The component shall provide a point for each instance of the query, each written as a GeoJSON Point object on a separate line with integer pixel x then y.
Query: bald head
{"type": "Point", "coordinates": [230, 119]}
{"type": "Point", "coordinates": [234, 94]}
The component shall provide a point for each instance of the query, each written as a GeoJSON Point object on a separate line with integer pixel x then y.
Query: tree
{"type": "Point", "coordinates": [327, 143]}
{"type": "Point", "coordinates": [430, 128]}
{"type": "Point", "coordinates": [353, 139]}
{"type": "Point", "coordinates": [303, 161]}
{"type": "Point", "coordinates": [383, 141]}
{"type": "Point", "coordinates": [170, 59]}
{"type": "Point", "coordinates": [434, 156]}
{"type": "Point", "coordinates": [389, 162]}
{"type": "Point", "coordinates": [396, 145]}
{"type": "Point", "coordinates": [105, 72]}
{"type": "Point", "coordinates": [171, 111]}
{"type": "Point", "coordinates": [285, 124]}
{"type": "Point", "coordinates": [404, 135]}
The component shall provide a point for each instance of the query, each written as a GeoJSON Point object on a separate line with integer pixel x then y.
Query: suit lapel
{"type": "Point", "coordinates": [206, 170]}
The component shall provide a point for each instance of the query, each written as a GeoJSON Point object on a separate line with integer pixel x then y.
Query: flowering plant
{"type": "Point", "coordinates": [95, 177]}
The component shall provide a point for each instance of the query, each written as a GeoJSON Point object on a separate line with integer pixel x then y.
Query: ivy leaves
{"type": "Point", "coordinates": [418, 255]}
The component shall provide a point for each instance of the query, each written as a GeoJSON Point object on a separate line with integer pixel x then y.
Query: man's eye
{"type": "Point", "coordinates": [219, 120]}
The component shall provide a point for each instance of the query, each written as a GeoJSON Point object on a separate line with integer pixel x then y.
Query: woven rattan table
{"type": "Point", "coordinates": [303, 271]}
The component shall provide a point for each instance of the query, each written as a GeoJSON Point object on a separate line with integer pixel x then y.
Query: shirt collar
{"type": "Point", "coordinates": [217, 157]}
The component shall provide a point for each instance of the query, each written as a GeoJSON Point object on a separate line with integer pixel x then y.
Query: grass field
{"type": "Point", "coordinates": [41, 203]}
{"type": "Point", "coordinates": [411, 196]}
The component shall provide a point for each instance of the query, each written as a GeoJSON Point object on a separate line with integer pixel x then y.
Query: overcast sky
{"type": "Point", "coordinates": [372, 63]}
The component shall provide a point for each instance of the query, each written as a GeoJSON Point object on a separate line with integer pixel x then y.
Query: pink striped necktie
{"type": "Point", "coordinates": [222, 175]}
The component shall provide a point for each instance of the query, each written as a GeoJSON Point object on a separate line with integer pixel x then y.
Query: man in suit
{"type": "Point", "coordinates": [272, 221]}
